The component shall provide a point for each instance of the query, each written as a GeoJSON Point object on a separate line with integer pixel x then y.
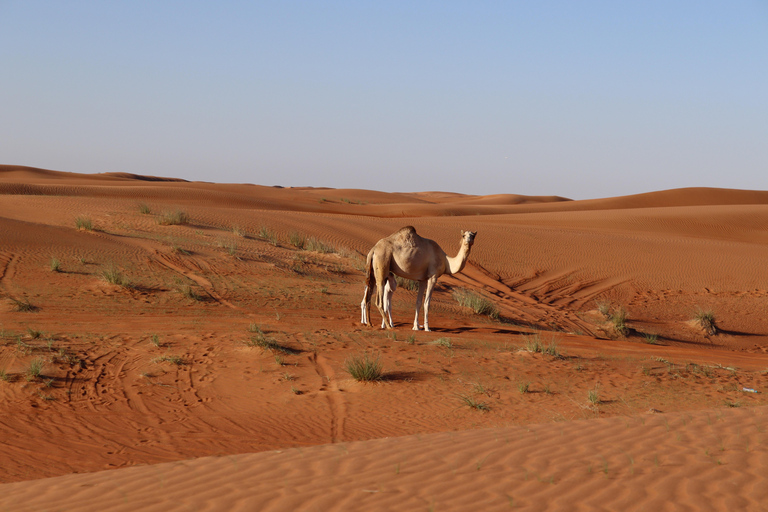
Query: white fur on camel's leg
{"type": "Point", "coordinates": [389, 290]}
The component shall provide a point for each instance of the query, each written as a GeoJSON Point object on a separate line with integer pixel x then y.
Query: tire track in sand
{"type": "Point", "coordinates": [330, 389]}
{"type": "Point", "coordinates": [520, 305]}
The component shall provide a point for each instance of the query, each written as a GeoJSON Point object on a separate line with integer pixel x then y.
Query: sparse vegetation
{"type": "Point", "coordinates": [524, 387]}
{"type": "Point", "coordinates": [173, 359]}
{"type": "Point", "coordinates": [651, 339]}
{"type": "Point", "coordinates": [144, 209]}
{"type": "Point", "coordinates": [706, 319]}
{"type": "Point", "coordinates": [22, 305]}
{"type": "Point", "coordinates": [594, 396]}
{"type": "Point", "coordinates": [5, 376]}
{"type": "Point", "coordinates": [407, 284]}
{"type": "Point", "coordinates": [442, 342]}
{"type": "Point", "coordinates": [174, 218]}
{"type": "Point", "coordinates": [35, 368]}
{"type": "Point", "coordinates": [473, 403]}
{"type": "Point", "coordinates": [477, 303]}
{"type": "Point", "coordinates": [364, 368]}
{"type": "Point", "coordinates": [155, 340]}
{"type": "Point", "coordinates": [297, 240]}
{"type": "Point", "coordinates": [84, 223]}
{"type": "Point", "coordinates": [264, 342]}
{"type": "Point", "coordinates": [618, 318]}
{"type": "Point", "coordinates": [534, 344]}
{"type": "Point", "coordinates": [114, 275]}
{"type": "Point", "coordinates": [55, 265]}
{"type": "Point", "coordinates": [189, 292]}
{"type": "Point", "coordinates": [34, 333]}
{"type": "Point", "coordinates": [267, 234]}
{"type": "Point", "coordinates": [315, 245]}
{"type": "Point", "coordinates": [604, 307]}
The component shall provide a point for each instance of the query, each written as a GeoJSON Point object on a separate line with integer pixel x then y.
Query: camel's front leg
{"type": "Point", "coordinates": [419, 298]}
{"type": "Point", "coordinates": [430, 286]}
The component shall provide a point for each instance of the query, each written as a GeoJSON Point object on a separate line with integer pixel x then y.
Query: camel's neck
{"type": "Point", "coordinates": [456, 263]}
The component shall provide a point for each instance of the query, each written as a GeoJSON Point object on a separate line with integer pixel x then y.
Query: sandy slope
{"type": "Point", "coordinates": [166, 369]}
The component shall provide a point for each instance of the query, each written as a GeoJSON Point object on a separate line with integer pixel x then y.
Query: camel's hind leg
{"type": "Point", "coordinates": [389, 290]}
{"type": "Point", "coordinates": [365, 306]}
{"type": "Point", "coordinates": [381, 275]}
{"type": "Point", "coordinates": [430, 286]}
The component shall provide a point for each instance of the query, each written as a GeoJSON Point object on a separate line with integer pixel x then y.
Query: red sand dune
{"type": "Point", "coordinates": [161, 379]}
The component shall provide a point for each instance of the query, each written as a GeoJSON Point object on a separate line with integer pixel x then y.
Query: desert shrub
{"type": "Point", "coordinates": [175, 218]}
{"type": "Point", "coordinates": [477, 303]}
{"type": "Point", "coordinates": [144, 209]}
{"type": "Point", "coordinates": [313, 244]}
{"type": "Point", "coordinates": [651, 339]}
{"type": "Point", "coordinates": [35, 368]}
{"type": "Point", "coordinates": [594, 396]}
{"type": "Point", "coordinates": [534, 344]}
{"type": "Point", "coordinates": [472, 402]}
{"type": "Point", "coordinates": [22, 305]}
{"type": "Point", "coordinates": [407, 284]}
{"type": "Point", "coordinates": [268, 235]}
{"type": "Point", "coordinates": [364, 368]}
{"type": "Point", "coordinates": [173, 359]}
{"type": "Point", "coordinates": [189, 292]}
{"type": "Point", "coordinates": [706, 319]}
{"type": "Point", "coordinates": [297, 240]}
{"type": "Point", "coordinates": [604, 307]}
{"type": "Point", "coordinates": [84, 223]}
{"type": "Point", "coordinates": [442, 342]}
{"type": "Point", "coordinates": [55, 265]}
{"type": "Point", "coordinates": [114, 275]}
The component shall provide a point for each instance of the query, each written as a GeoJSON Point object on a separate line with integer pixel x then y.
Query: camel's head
{"type": "Point", "coordinates": [468, 237]}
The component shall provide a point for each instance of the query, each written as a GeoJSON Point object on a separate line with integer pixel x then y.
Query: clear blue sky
{"type": "Point", "coordinates": [573, 98]}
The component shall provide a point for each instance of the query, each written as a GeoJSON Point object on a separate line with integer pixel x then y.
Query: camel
{"type": "Point", "coordinates": [408, 255]}
{"type": "Point", "coordinates": [389, 290]}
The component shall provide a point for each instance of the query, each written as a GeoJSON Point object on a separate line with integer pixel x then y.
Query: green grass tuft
{"type": "Point", "coordinates": [364, 368]}
{"type": "Point", "coordinates": [473, 403]}
{"type": "Point", "coordinates": [35, 368]}
{"type": "Point", "coordinates": [84, 223]}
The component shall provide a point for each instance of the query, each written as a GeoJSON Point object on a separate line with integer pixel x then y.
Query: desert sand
{"type": "Point", "coordinates": [210, 373]}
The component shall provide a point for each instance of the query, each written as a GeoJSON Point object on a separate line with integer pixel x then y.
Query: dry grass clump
{"type": "Point", "coordinates": [407, 284]}
{"type": "Point", "coordinates": [298, 240]}
{"type": "Point", "coordinates": [706, 319]}
{"type": "Point", "coordinates": [534, 344]}
{"type": "Point", "coordinates": [22, 305]}
{"type": "Point", "coordinates": [315, 245]}
{"type": "Point", "coordinates": [364, 368]}
{"type": "Point", "coordinates": [616, 315]}
{"type": "Point", "coordinates": [84, 223]}
{"type": "Point", "coordinates": [114, 275]}
{"type": "Point", "coordinates": [476, 302]}
{"type": "Point", "coordinates": [175, 218]}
